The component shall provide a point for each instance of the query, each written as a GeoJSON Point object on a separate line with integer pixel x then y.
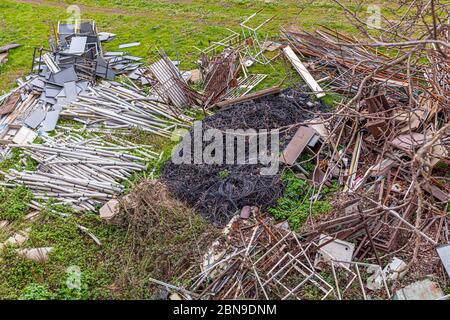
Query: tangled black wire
{"type": "Point", "coordinates": [218, 192]}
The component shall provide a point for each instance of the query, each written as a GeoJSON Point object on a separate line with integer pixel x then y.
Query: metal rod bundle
{"type": "Point", "coordinates": [80, 172]}
{"type": "Point", "coordinates": [113, 106]}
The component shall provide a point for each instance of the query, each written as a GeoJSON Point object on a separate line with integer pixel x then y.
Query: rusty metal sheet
{"type": "Point", "coordinates": [10, 103]}
{"type": "Point", "coordinates": [166, 75]}
{"type": "Point", "coordinates": [297, 145]}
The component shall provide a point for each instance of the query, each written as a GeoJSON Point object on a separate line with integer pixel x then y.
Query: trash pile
{"type": "Point", "coordinates": [79, 172]}
{"type": "Point", "coordinates": [219, 191]}
{"type": "Point", "coordinates": [386, 146]}
{"type": "Point", "coordinates": [260, 259]}
{"type": "Point", "coordinates": [343, 67]}
{"type": "Point", "coordinates": [73, 80]}
{"type": "Point", "coordinates": [110, 106]}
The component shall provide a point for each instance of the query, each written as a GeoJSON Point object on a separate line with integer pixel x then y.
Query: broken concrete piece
{"type": "Point", "coordinates": [444, 255]}
{"type": "Point", "coordinates": [175, 296]}
{"type": "Point", "coordinates": [110, 210]}
{"type": "Point", "coordinates": [195, 76]}
{"type": "Point", "coordinates": [16, 239]}
{"type": "Point", "coordinates": [392, 271]}
{"type": "Point", "coordinates": [420, 290]}
{"type": "Point", "coordinates": [35, 254]}
{"type": "Point", "coordinates": [336, 249]}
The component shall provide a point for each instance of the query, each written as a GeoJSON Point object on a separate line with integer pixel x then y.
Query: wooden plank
{"type": "Point", "coordinates": [10, 104]}
{"type": "Point", "coordinates": [304, 73]}
{"type": "Point", "coordinates": [248, 97]}
{"type": "Point", "coordinates": [9, 47]}
{"type": "Point", "coordinates": [297, 145]}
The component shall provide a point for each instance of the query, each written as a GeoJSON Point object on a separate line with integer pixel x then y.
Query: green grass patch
{"type": "Point", "coordinates": [14, 203]}
{"type": "Point", "coordinates": [20, 278]}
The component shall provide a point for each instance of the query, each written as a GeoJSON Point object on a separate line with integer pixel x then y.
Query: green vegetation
{"type": "Point", "coordinates": [21, 278]}
{"type": "Point", "coordinates": [295, 205]}
{"type": "Point", "coordinates": [175, 26]}
{"type": "Point", "coordinates": [14, 203]}
{"type": "Point", "coordinates": [17, 161]}
{"type": "Point", "coordinates": [36, 291]}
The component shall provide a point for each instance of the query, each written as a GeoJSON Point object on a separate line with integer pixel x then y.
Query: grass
{"type": "Point", "coordinates": [20, 278]}
{"type": "Point", "coordinates": [175, 26]}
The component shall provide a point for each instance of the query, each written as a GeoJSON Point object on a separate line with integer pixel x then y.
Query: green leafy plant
{"type": "Point", "coordinates": [295, 205]}
{"type": "Point", "coordinates": [224, 174]}
{"type": "Point", "coordinates": [36, 291]}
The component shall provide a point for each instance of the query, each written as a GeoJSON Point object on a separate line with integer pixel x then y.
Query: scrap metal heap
{"type": "Point", "coordinates": [386, 146]}
{"type": "Point", "coordinates": [218, 198]}
{"type": "Point", "coordinates": [81, 167]}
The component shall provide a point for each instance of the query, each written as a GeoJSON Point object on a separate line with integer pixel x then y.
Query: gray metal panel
{"type": "Point", "coordinates": [444, 254]}
{"type": "Point", "coordinates": [52, 91]}
{"type": "Point", "coordinates": [133, 58]}
{"type": "Point", "coordinates": [167, 79]}
{"type": "Point", "coordinates": [50, 121]}
{"type": "Point", "coordinates": [64, 76]}
{"type": "Point", "coordinates": [70, 89]}
{"type": "Point", "coordinates": [77, 45]}
{"type": "Point", "coordinates": [128, 45]}
{"type": "Point", "coordinates": [113, 54]}
{"type": "Point", "coordinates": [35, 118]}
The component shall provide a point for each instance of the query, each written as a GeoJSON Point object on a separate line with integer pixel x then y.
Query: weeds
{"type": "Point", "coordinates": [295, 205]}
{"type": "Point", "coordinates": [14, 203]}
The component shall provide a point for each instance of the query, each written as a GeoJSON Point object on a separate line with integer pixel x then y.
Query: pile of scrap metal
{"type": "Point", "coordinates": [78, 172]}
{"type": "Point", "coordinates": [70, 68]}
{"type": "Point", "coordinates": [387, 148]}
{"type": "Point", "coordinates": [110, 106]}
{"type": "Point", "coordinates": [4, 52]}
{"type": "Point", "coordinates": [79, 166]}
{"type": "Point", "coordinates": [217, 197]}
{"type": "Point", "coordinates": [223, 65]}
{"type": "Point", "coordinates": [336, 59]}
{"type": "Point", "coordinates": [257, 258]}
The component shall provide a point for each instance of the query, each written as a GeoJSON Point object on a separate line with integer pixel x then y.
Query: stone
{"type": "Point", "coordinates": [195, 76]}
{"type": "Point", "coordinates": [420, 290]}
{"type": "Point", "coordinates": [110, 210]}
